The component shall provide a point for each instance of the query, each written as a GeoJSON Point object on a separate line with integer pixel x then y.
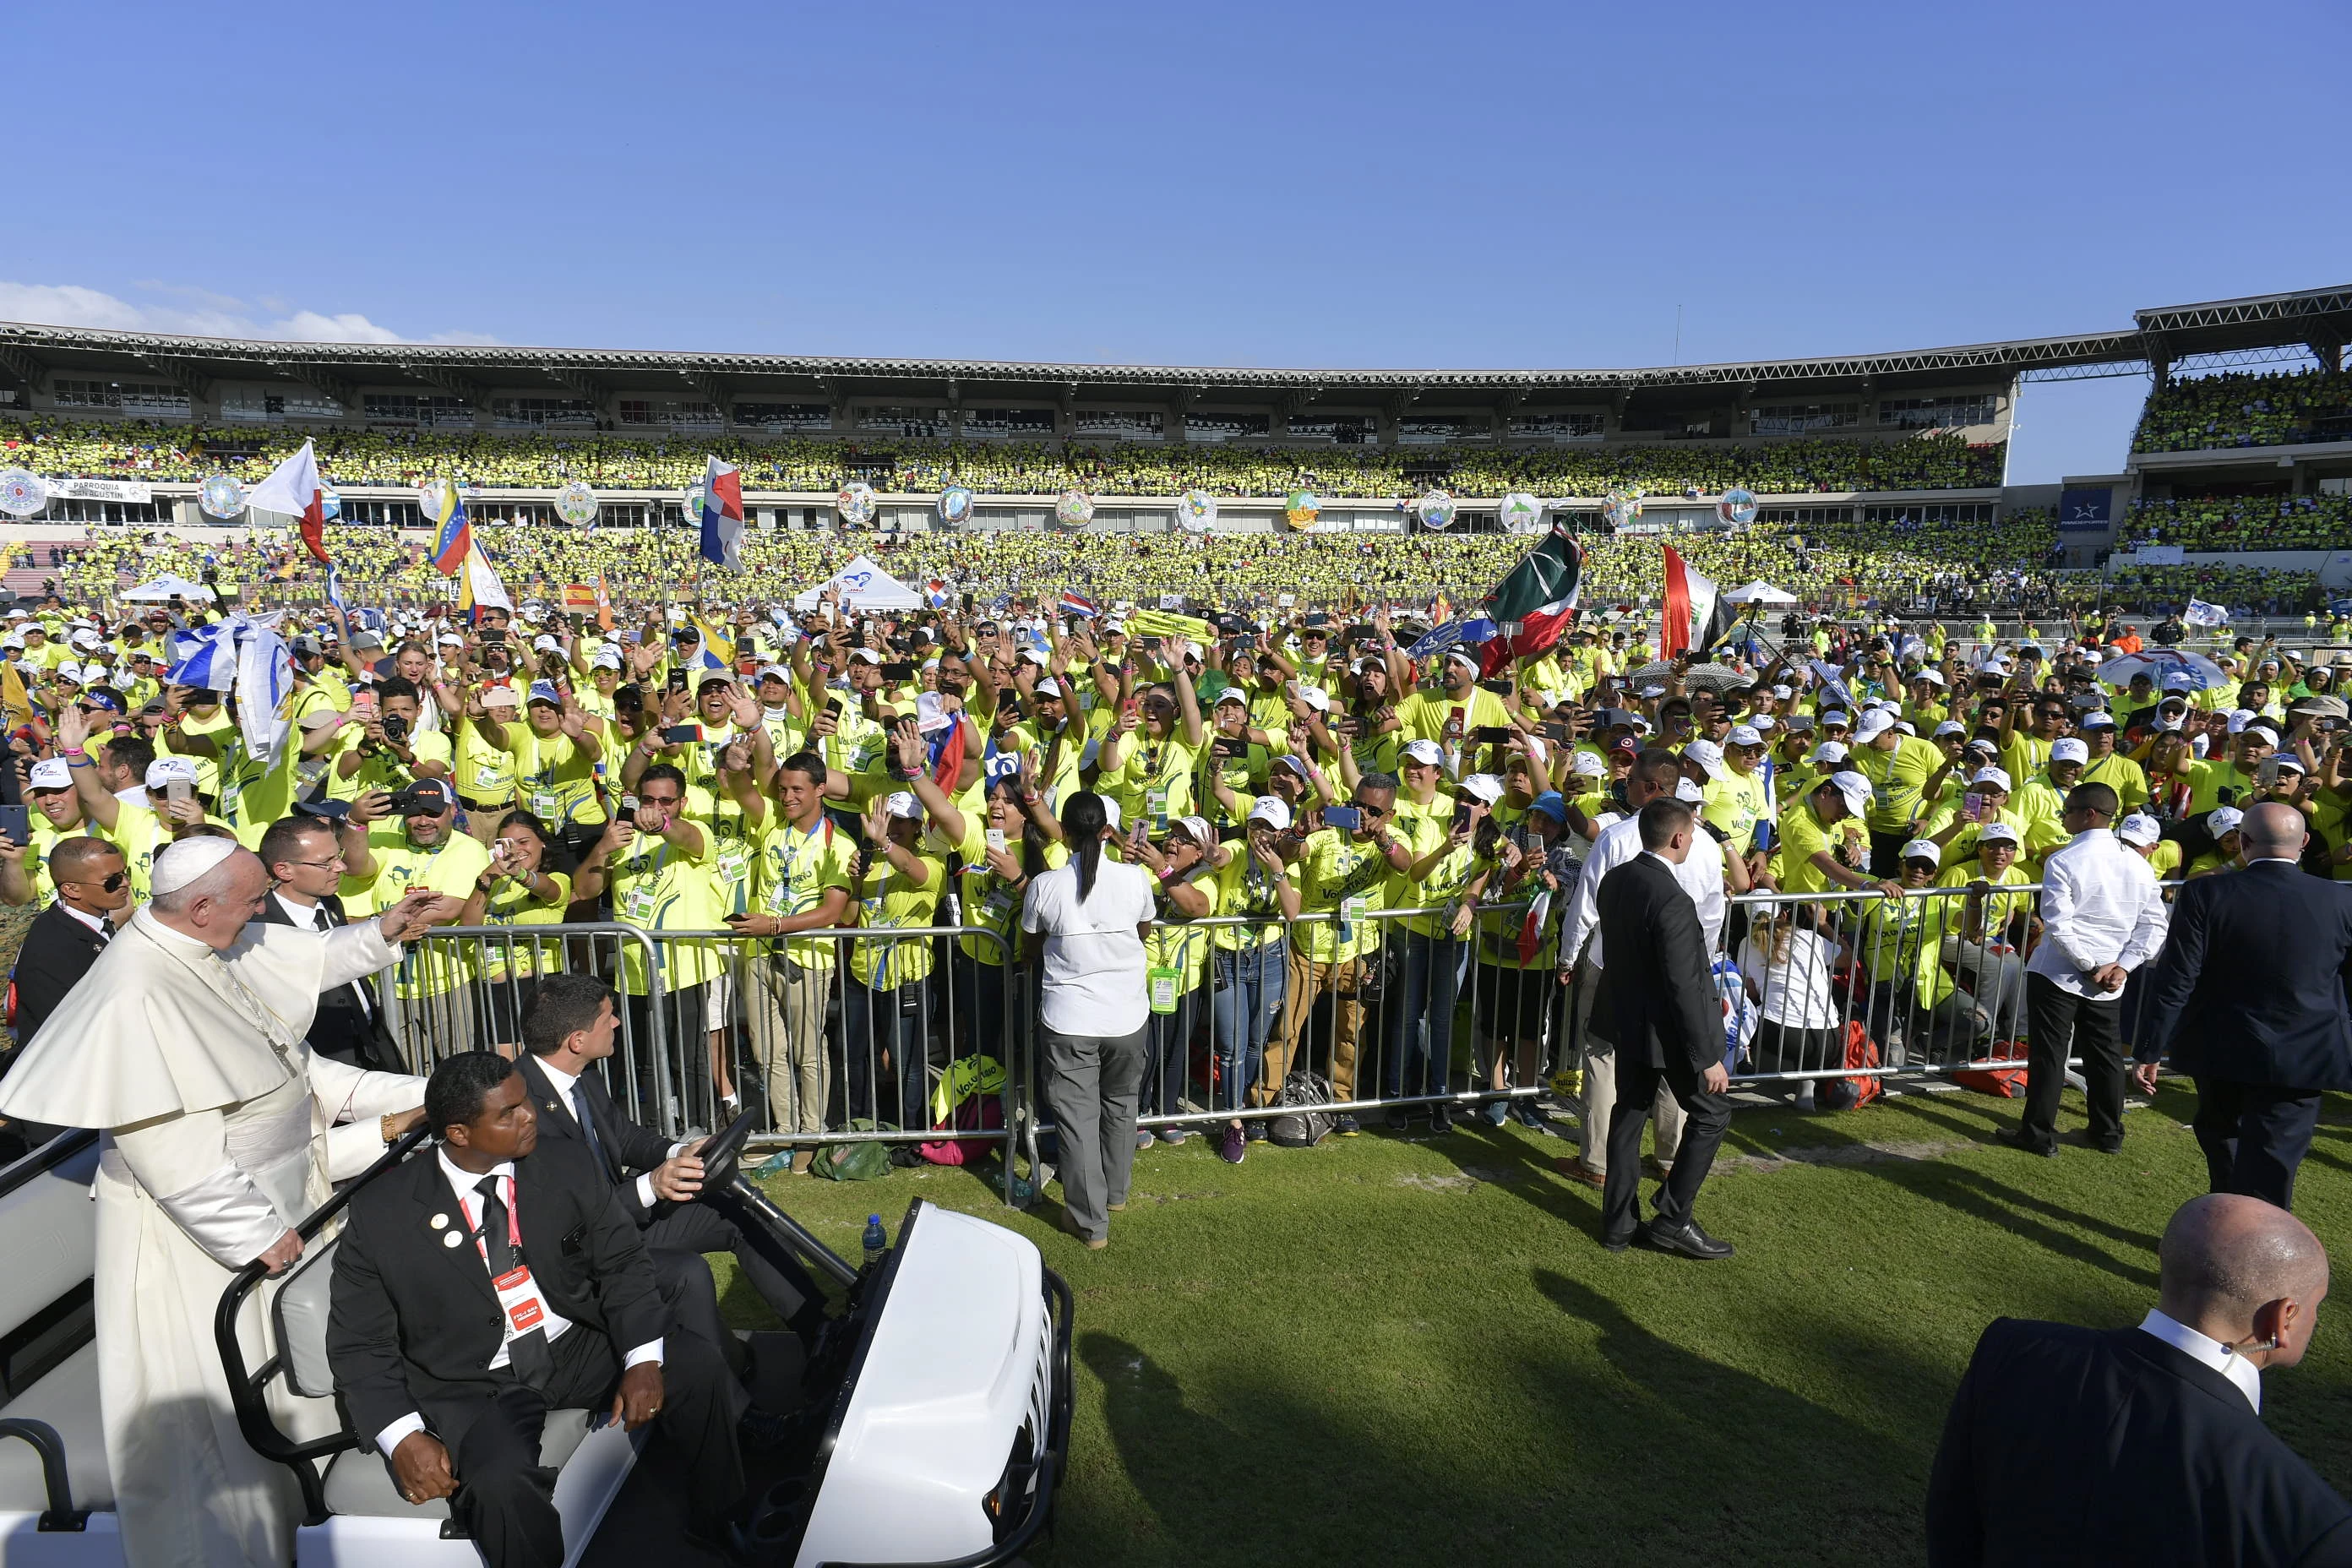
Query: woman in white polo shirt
{"type": "Point", "coordinates": [1087, 919]}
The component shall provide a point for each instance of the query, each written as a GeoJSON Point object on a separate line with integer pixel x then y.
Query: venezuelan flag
{"type": "Point", "coordinates": [453, 539]}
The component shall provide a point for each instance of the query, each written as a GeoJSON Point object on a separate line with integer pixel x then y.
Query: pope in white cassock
{"type": "Point", "coordinates": [184, 1043]}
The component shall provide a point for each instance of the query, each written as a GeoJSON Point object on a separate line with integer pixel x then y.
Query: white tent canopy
{"type": "Point", "coordinates": [863, 586]}
{"type": "Point", "coordinates": [166, 587]}
{"type": "Point", "coordinates": [1760, 593]}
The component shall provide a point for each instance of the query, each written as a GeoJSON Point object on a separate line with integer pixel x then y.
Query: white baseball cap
{"type": "Point", "coordinates": [903, 803]}
{"type": "Point", "coordinates": [2223, 820]}
{"type": "Point", "coordinates": [1049, 686]}
{"type": "Point", "coordinates": [1828, 751]}
{"type": "Point", "coordinates": [1854, 789]}
{"type": "Point", "coordinates": [163, 770]}
{"type": "Point", "coordinates": [1483, 786]}
{"type": "Point", "coordinates": [1427, 752]}
{"type": "Point", "coordinates": [1686, 791]}
{"type": "Point", "coordinates": [1933, 678]}
{"type": "Point", "coordinates": [1997, 833]}
{"type": "Point", "coordinates": [1584, 764]}
{"type": "Point", "coordinates": [1997, 777]}
{"type": "Point", "coordinates": [1874, 724]}
{"type": "Point", "coordinates": [2096, 718]}
{"type": "Point", "coordinates": [1923, 849]}
{"type": "Point", "coordinates": [1741, 735]}
{"type": "Point", "coordinates": [2139, 828]}
{"type": "Point", "coordinates": [1271, 810]}
{"type": "Point", "coordinates": [2069, 750]}
{"type": "Point", "coordinates": [1950, 727]}
{"type": "Point", "coordinates": [51, 773]}
{"type": "Point", "coordinates": [1707, 755]}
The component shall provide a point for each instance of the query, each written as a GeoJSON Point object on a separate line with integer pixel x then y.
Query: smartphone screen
{"type": "Point", "coordinates": [1492, 734]}
{"type": "Point", "coordinates": [1972, 806]}
{"type": "Point", "coordinates": [899, 671]}
{"type": "Point", "coordinates": [16, 823]}
{"type": "Point", "coordinates": [681, 734]}
{"type": "Point", "coordinates": [1461, 818]}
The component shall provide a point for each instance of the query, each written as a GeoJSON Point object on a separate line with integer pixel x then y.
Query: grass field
{"type": "Point", "coordinates": [1389, 1351]}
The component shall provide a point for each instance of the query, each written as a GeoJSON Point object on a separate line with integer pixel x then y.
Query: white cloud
{"type": "Point", "coordinates": [215, 316]}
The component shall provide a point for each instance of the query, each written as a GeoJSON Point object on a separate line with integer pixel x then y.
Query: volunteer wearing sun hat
{"type": "Point", "coordinates": [1897, 766]}
{"type": "Point", "coordinates": [2221, 831]}
{"type": "Point", "coordinates": [1916, 1013]}
{"type": "Point", "coordinates": [2108, 765]}
{"type": "Point", "coordinates": [1985, 936]}
{"type": "Point", "coordinates": [1251, 965]}
{"type": "Point", "coordinates": [555, 752]}
{"type": "Point", "coordinates": [1452, 715]}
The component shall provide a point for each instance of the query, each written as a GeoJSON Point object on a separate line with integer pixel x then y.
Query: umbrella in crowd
{"type": "Point", "coordinates": [2157, 663]}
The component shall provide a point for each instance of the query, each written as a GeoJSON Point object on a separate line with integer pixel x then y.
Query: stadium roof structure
{"type": "Point", "coordinates": [2252, 329]}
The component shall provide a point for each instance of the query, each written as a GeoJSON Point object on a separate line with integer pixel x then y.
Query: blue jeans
{"type": "Point", "coordinates": [872, 1023]}
{"type": "Point", "coordinates": [1250, 983]}
{"type": "Point", "coordinates": [1415, 1061]}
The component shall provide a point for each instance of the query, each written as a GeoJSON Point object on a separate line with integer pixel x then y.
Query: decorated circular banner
{"type": "Point", "coordinates": [576, 503]}
{"type": "Point", "coordinates": [433, 497]}
{"type": "Point", "coordinates": [1196, 509]}
{"type": "Point", "coordinates": [1519, 514]}
{"type": "Point", "coordinates": [1300, 508]}
{"type": "Point", "coordinates": [955, 506]}
{"type": "Point", "coordinates": [221, 497]}
{"type": "Point", "coordinates": [1736, 508]}
{"type": "Point", "coordinates": [1075, 508]}
{"type": "Point", "coordinates": [854, 503]}
{"type": "Point", "coordinates": [694, 504]}
{"type": "Point", "coordinates": [1435, 510]}
{"type": "Point", "coordinates": [1620, 507]}
{"type": "Point", "coordinates": [23, 493]}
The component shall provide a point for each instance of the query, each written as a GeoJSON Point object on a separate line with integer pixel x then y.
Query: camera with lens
{"type": "Point", "coordinates": [396, 728]}
{"type": "Point", "coordinates": [417, 800]}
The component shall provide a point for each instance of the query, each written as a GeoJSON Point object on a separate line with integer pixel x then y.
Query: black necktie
{"type": "Point", "coordinates": [527, 1353]}
{"type": "Point", "coordinates": [588, 1125]}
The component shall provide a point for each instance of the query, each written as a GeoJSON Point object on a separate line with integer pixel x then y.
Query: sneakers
{"type": "Point", "coordinates": [1255, 1131]}
{"type": "Point", "coordinates": [1233, 1146]}
{"type": "Point", "coordinates": [1347, 1126]}
{"type": "Point", "coordinates": [1441, 1117]}
{"type": "Point", "coordinates": [1531, 1116]}
{"type": "Point", "coordinates": [1143, 1139]}
{"type": "Point", "coordinates": [1494, 1112]}
{"type": "Point", "coordinates": [1398, 1121]}
{"type": "Point", "coordinates": [1173, 1134]}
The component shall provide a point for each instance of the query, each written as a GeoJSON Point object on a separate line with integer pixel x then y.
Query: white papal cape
{"type": "Point", "coordinates": [220, 1134]}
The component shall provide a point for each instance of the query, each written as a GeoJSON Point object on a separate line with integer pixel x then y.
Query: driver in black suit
{"type": "Point", "coordinates": [569, 1029]}
{"type": "Point", "coordinates": [481, 1286]}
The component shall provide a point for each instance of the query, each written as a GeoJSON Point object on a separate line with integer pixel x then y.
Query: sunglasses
{"type": "Point", "coordinates": [112, 883]}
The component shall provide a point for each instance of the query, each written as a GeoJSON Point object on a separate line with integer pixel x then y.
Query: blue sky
{"type": "Point", "coordinates": [1278, 185]}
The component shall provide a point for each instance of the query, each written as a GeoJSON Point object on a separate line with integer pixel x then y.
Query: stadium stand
{"type": "Point", "coordinates": [2244, 522]}
{"type": "Point", "coordinates": [2235, 409]}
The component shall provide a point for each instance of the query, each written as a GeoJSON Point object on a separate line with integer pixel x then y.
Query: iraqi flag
{"type": "Point", "coordinates": [723, 516]}
{"type": "Point", "coordinates": [1696, 618]}
{"type": "Point", "coordinates": [1533, 602]}
{"type": "Point", "coordinates": [293, 489]}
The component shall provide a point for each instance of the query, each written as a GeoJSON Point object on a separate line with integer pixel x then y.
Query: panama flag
{"type": "Point", "coordinates": [1533, 602]}
{"type": "Point", "coordinates": [1695, 618]}
{"type": "Point", "coordinates": [293, 489]}
{"type": "Point", "coordinates": [723, 516]}
{"type": "Point", "coordinates": [453, 536]}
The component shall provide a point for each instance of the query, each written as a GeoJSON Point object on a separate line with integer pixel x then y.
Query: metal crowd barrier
{"type": "Point", "coordinates": [1411, 1020]}
{"type": "Point", "coordinates": [712, 1022]}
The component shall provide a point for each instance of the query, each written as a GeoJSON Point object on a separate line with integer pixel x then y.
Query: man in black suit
{"type": "Point", "coordinates": [2249, 993]}
{"type": "Point", "coordinates": [305, 858]}
{"type": "Point", "coordinates": [2146, 1446]}
{"type": "Point", "coordinates": [65, 939]}
{"type": "Point", "coordinates": [1668, 1027]}
{"type": "Point", "coordinates": [481, 1286]}
{"type": "Point", "coordinates": [570, 1028]}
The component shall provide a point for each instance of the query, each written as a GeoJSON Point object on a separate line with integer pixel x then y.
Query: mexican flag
{"type": "Point", "coordinates": [1695, 618]}
{"type": "Point", "coordinates": [1533, 602]}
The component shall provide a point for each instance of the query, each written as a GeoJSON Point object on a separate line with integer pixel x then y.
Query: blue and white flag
{"type": "Point", "coordinates": [265, 687]}
{"type": "Point", "coordinates": [335, 595]}
{"type": "Point", "coordinates": [1833, 684]}
{"type": "Point", "coordinates": [1477, 630]}
{"type": "Point", "coordinates": [205, 656]}
{"type": "Point", "coordinates": [2200, 614]}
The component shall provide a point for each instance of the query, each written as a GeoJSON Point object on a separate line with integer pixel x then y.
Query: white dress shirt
{"type": "Point", "coordinates": [2212, 1352]}
{"type": "Point", "coordinates": [313, 917]}
{"type": "Point", "coordinates": [563, 1082]}
{"type": "Point", "coordinates": [98, 923]}
{"type": "Point", "coordinates": [1700, 874]}
{"type": "Point", "coordinates": [463, 1183]}
{"type": "Point", "coordinates": [2100, 905]}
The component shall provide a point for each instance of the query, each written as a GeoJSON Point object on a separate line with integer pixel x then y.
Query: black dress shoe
{"type": "Point", "coordinates": [2021, 1141]}
{"type": "Point", "coordinates": [1619, 1243]}
{"type": "Point", "coordinates": [1686, 1238]}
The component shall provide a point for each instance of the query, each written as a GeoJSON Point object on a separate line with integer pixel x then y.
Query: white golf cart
{"type": "Point", "coordinates": [929, 1424]}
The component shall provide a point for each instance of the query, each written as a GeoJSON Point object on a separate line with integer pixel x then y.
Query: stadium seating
{"type": "Point", "coordinates": [2246, 410]}
{"type": "Point", "coordinates": [179, 452]}
{"type": "Point", "coordinates": [2244, 523]}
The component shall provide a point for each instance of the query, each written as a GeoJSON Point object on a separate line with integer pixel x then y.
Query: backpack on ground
{"type": "Point", "coordinates": [1301, 1127]}
{"type": "Point", "coordinates": [1853, 1093]}
{"type": "Point", "coordinates": [852, 1162]}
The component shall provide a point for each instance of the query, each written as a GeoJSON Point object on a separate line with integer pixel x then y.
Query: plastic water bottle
{"type": "Point", "coordinates": [877, 1242]}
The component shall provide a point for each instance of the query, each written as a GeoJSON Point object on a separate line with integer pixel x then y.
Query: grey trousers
{"type": "Point", "coordinates": [1599, 1097]}
{"type": "Point", "coordinates": [1092, 1082]}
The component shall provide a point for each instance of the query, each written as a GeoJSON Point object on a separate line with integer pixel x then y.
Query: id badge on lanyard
{"type": "Point", "coordinates": [520, 1303]}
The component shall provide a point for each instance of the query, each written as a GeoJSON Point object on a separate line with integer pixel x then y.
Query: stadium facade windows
{"type": "Point", "coordinates": [1214, 427]}
{"type": "Point", "coordinates": [254, 406]}
{"type": "Point", "coordinates": [1008, 424]}
{"type": "Point", "coordinates": [135, 396]}
{"type": "Point", "coordinates": [1569, 425]}
{"type": "Point", "coordinates": [543, 413]}
{"type": "Point", "coordinates": [62, 509]}
{"type": "Point", "coordinates": [1121, 423]}
{"type": "Point", "coordinates": [910, 420]}
{"type": "Point", "coordinates": [407, 408]}
{"type": "Point", "coordinates": [1444, 429]}
{"type": "Point", "coordinates": [817, 417]}
{"type": "Point", "coordinates": [668, 414]}
{"type": "Point", "coordinates": [1954, 511]}
{"type": "Point", "coordinates": [1809, 515]}
{"type": "Point", "coordinates": [1938, 413]}
{"type": "Point", "coordinates": [1796, 418]}
{"type": "Point", "coordinates": [1338, 429]}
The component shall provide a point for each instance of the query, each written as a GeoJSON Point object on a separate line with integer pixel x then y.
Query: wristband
{"type": "Point", "coordinates": [70, 753]}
